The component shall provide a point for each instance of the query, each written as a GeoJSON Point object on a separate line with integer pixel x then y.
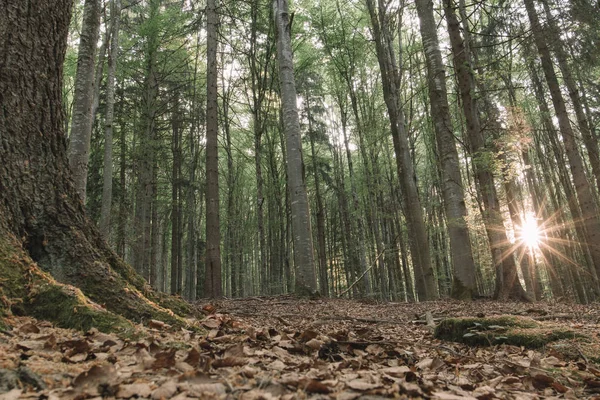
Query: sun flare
{"type": "Point", "coordinates": [530, 233]}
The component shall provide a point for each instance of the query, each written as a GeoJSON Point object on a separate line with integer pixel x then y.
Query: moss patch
{"type": "Point", "coordinates": [511, 330]}
{"type": "Point", "coordinates": [67, 307]}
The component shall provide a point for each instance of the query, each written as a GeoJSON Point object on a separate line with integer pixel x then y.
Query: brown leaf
{"type": "Point", "coordinates": [209, 309]}
{"type": "Point", "coordinates": [29, 328]}
{"type": "Point", "coordinates": [236, 350]}
{"type": "Point", "coordinates": [229, 362]}
{"type": "Point", "coordinates": [141, 389]}
{"type": "Point", "coordinates": [362, 385]}
{"type": "Point", "coordinates": [72, 347]}
{"type": "Point", "coordinates": [165, 359]}
{"type": "Point", "coordinates": [560, 388]}
{"type": "Point", "coordinates": [211, 323]}
{"type": "Point", "coordinates": [541, 381]}
{"type": "Point", "coordinates": [592, 383]}
{"type": "Point", "coordinates": [314, 344]}
{"type": "Point", "coordinates": [307, 335]}
{"type": "Point", "coordinates": [313, 386]}
{"type": "Point", "coordinates": [156, 324]}
{"type": "Point", "coordinates": [165, 391]}
{"type": "Point", "coordinates": [98, 374]}
{"type": "Point", "coordinates": [397, 372]}
{"type": "Point", "coordinates": [193, 357]}
{"type": "Point", "coordinates": [195, 378]}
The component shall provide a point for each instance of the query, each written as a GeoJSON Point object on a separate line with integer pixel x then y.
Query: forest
{"type": "Point", "coordinates": [306, 199]}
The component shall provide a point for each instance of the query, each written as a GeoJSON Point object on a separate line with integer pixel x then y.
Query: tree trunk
{"type": "Point", "coordinates": [44, 208]}
{"type": "Point", "coordinates": [589, 211]}
{"type": "Point", "coordinates": [321, 245]}
{"type": "Point", "coordinates": [419, 245]}
{"type": "Point", "coordinates": [81, 126]}
{"type": "Point", "coordinates": [507, 282]}
{"type": "Point", "coordinates": [589, 139]}
{"type": "Point", "coordinates": [212, 278]}
{"type": "Point", "coordinates": [463, 285]}
{"type": "Point", "coordinates": [306, 282]}
{"type": "Point", "coordinates": [104, 225]}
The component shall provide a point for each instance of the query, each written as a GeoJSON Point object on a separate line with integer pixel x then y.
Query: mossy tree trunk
{"type": "Point", "coordinates": [42, 218]}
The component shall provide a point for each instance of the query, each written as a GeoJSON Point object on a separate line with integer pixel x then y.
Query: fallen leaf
{"type": "Point", "coordinates": [141, 389]}
{"type": "Point", "coordinates": [165, 391]}
{"type": "Point", "coordinates": [165, 359]}
{"type": "Point", "coordinates": [362, 385]}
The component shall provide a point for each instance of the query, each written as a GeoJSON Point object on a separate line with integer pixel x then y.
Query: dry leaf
{"type": "Point", "coordinates": [165, 391]}
{"type": "Point", "coordinates": [141, 389]}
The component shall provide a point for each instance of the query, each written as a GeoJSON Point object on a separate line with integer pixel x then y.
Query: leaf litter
{"type": "Point", "coordinates": [288, 348]}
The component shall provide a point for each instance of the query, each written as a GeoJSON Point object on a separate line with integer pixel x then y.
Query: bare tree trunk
{"type": "Point", "coordinates": [589, 211]}
{"type": "Point", "coordinates": [419, 245]}
{"type": "Point", "coordinates": [590, 141]}
{"type": "Point", "coordinates": [81, 126]}
{"type": "Point", "coordinates": [306, 282]}
{"type": "Point", "coordinates": [507, 282]}
{"type": "Point", "coordinates": [321, 245]}
{"type": "Point", "coordinates": [104, 225]}
{"type": "Point", "coordinates": [463, 286]}
{"type": "Point", "coordinates": [212, 283]}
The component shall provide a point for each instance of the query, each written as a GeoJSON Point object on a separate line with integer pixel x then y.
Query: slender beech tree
{"type": "Point", "coordinates": [419, 245]}
{"type": "Point", "coordinates": [306, 281]}
{"type": "Point", "coordinates": [507, 280]}
{"type": "Point", "coordinates": [81, 125]}
{"type": "Point", "coordinates": [115, 17]}
{"type": "Point", "coordinates": [589, 139]}
{"type": "Point", "coordinates": [212, 277]}
{"type": "Point", "coordinates": [463, 285]}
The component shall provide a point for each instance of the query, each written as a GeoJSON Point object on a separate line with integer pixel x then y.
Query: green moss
{"type": "Point", "coordinates": [67, 307]}
{"type": "Point", "coordinates": [511, 330]}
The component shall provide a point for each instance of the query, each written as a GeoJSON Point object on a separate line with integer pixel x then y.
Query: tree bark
{"type": "Point", "coordinates": [419, 245]}
{"type": "Point", "coordinates": [585, 197]}
{"type": "Point", "coordinates": [463, 285]}
{"type": "Point", "coordinates": [306, 282]}
{"type": "Point", "coordinates": [104, 225]}
{"type": "Point", "coordinates": [507, 282]}
{"type": "Point", "coordinates": [81, 126]}
{"type": "Point", "coordinates": [212, 283]}
{"type": "Point", "coordinates": [44, 209]}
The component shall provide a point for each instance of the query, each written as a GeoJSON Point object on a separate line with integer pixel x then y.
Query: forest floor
{"type": "Point", "coordinates": [286, 348]}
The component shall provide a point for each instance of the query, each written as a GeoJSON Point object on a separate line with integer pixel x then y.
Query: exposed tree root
{"type": "Point", "coordinates": [25, 289]}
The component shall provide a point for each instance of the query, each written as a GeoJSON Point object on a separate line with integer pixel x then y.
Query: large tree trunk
{"type": "Point", "coordinates": [306, 282]}
{"type": "Point", "coordinates": [81, 127]}
{"type": "Point", "coordinates": [463, 285]}
{"type": "Point", "coordinates": [38, 201]}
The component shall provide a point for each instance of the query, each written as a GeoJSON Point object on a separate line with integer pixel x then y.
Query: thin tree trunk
{"type": "Point", "coordinates": [213, 283]}
{"type": "Point", "coordinates": [507, 282]}
{"type": "Point", "coordinates": [589, 211]}
{"type": "Point", "coordinates": [81, 126]}
{"type": "Point", "coordinates": [419, 245]}
{"type": "Point", "coordinates": [321, 244]}
{"type": "Point", "coordinates": [115, 10]}
{"type": "Point", "coordinates": [306, 283]}
{"type": "Point", "coordinates": [463, 284]}
{"type": "Point", "coordinates": [590, 141]}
